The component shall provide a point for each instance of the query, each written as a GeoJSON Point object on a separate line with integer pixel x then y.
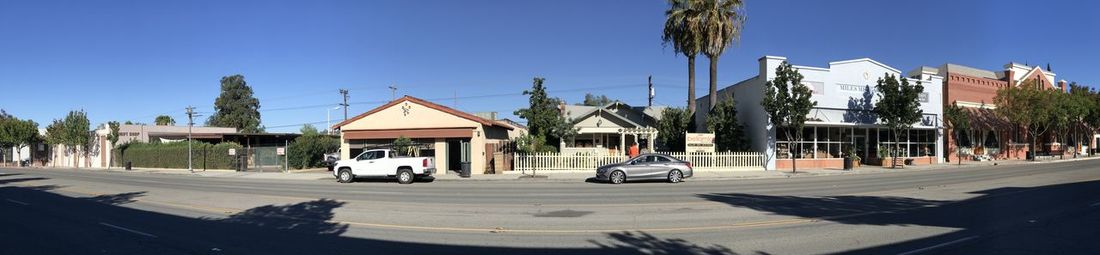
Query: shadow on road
{"type": "Point", "coordinates": [645, 243]}
{"type": "Point", "coordinates": [301, 228]}
{"type": "Point", "coordinates": [116, 199]}
{"type": "Point", "coordinates": [308, 217]}
{"type": "Point", "coordinates": [14, 180]}
{"type": "Point", "coordinates": [1002, 216]}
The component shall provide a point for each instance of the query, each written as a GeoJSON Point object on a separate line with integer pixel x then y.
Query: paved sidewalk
{"type": "Point", "coordinates": [574, 176]}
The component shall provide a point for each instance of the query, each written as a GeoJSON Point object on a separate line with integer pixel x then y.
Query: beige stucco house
{"type": "Point", "coordinates": [452, 137]}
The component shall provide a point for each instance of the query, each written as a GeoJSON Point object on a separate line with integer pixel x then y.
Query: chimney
{"type": "Point", "coordinates": [1010, 77]}
{"type": "Point", "coordinates": [1062, 84]}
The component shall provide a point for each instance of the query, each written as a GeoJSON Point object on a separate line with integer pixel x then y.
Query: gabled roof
{"type": "Point", "coordinates": [589, 110]}
{"type": "Point", "coordinates": [1042, 73]}
{"type": "Point", "coordinates": [865, 60]}
{"type": "Point", "coordinates": [425, 103]}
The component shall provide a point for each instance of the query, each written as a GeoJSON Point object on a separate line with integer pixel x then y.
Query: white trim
{"type": "Point", "coordinates": [864, 60]}
{"type": "Point", "coordinates": [1024, 78]}
{"type": "Point", "coordinates": [811, 68]}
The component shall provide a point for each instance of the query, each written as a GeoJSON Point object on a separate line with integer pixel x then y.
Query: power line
{"type": "Point", "coordinates": [295, 125]}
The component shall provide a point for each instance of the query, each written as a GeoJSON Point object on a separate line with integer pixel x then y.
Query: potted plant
{"type": "Point", "coordinates": [856, 160]}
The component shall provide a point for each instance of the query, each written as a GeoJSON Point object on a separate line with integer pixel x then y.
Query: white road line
{"type": "Point", "coordinates": [17, 201]}
{"type": "Point", "coordinates": [128, 230]}
{"type": "Point", "coordinates": [937, 246]}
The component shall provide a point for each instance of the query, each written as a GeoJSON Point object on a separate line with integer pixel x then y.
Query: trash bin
{"type": "Point", "coordinates": [129, 165]}
{"type": "Point", "coordinates": [847, 163]}
{"type": "Point", "coordinates": [242, 164]}
{"type": "Point", "coordinates": [465, 170]}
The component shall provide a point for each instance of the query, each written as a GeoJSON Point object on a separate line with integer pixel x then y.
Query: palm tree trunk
{"type": "Point", "coordinates": [713, 81]}
{"type": "Point", "coordinates": [691, 86]}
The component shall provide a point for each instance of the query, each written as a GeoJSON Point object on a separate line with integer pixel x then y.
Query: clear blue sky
{"type": "Point", "coordinates": [132, 60]}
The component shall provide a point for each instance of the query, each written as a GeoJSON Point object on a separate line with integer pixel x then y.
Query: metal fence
{"type": "Point", "coordinates": [554, 161]}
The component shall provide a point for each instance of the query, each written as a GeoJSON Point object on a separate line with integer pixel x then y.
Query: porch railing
{"type": "Point", "coordinates": [554, 161]}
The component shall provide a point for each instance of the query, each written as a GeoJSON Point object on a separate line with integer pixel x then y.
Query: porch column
{"type": "Point", "coordinates": [622, 143]}
{"type": "Point", "coordinates": [652, 140]}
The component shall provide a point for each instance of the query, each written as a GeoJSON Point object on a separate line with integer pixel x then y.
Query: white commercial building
{"type": "Point", "coordinates": [843, 119]}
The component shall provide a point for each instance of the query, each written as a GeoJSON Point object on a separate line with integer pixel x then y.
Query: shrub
{"type": "Point", "coordinates": [174, 155]}
{"type": "Point", "coordinates": [306, 150]}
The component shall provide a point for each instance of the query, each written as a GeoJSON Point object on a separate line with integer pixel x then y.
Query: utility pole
{"type": "Point", "coordinates": [190, 122]}
{"type": "Point", "coordinates": [345, 104]}
{"type": "Point", "coordinates": [393, 92]}
{"type": "Point", "coordinates": [651, 94]}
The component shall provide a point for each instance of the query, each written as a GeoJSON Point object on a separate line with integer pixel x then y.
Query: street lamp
{"type": "Point", "coordinates": [328, 119]}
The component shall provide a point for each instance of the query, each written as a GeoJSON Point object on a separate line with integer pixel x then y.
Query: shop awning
{"type": "Point", "coordinates": [986, 119]}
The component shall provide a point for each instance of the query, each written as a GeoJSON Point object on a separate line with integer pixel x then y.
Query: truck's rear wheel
{"type": "Point", "coordinates": [405, 176]}
{"type": "Point", "coordinates": [345, 176]}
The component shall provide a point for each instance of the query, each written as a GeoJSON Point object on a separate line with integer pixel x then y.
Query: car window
{"type": "Point", "coordinates": [372, 155]}
{"type": "Point", "coordinates": [650, 159]}
{"type": "Point", "coordinates": [662, 159]}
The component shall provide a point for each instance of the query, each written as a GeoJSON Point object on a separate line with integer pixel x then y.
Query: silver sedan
{"type": "Point", "coordinates": [650, 166]}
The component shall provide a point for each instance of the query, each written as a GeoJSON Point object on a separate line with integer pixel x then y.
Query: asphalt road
{"type": "Point", "coordinates": [1045, 208]}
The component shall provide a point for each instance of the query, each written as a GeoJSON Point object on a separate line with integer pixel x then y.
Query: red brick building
{"type": "Point", "coordinates": [991, 137]}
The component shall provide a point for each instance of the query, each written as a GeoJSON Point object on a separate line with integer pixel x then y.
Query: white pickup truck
{"type": "Point", "coordinates": [383, 163]}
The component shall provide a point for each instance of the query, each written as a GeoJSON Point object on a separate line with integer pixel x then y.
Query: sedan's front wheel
{"type": "Point", "coordinates": [617, 177]}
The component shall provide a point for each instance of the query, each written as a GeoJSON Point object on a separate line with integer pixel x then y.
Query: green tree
{"type": "Point", "coordinates": [73, 132]}
{"type": "Point", "coordinates": [1069, 111]}
{"type": "Point", "coordinates": [236, 107]}
{"type": "Point", "coordinates": [673, 126]}
{"type": "Point", "coordinates": [403, 146]}
{"type": "Point", "coordinates": [307, 150]}
{"type": "Point", "coordinates": [898, 107]}
{"type": "Point", "coordinates": [543, 116]}
{"type": "Point", "coordinates": [165, 120]}
{"type": "Point", "coordinates": [308, 130]}
{"type": "Point", "coordinates": [17, 133]}
{"type": "Point", "coordinates": [729, 135]}
{"type": "Point", "coordinates": [787, 102]}
{"type": "Point", "coordinates": [529, 144]}
{"type": "Point", "coordinates": [1086, 107]}
{"type": "Point", "coordinates": [593, 100]}
{"type": "Point", "coordinates": [1029, 106]}
{"type": "Point", "coordinates": [684, 31]}
{"type": "Point", "coordinates": [112, 137]}
{"type": "Point", "coordinates": [723, 21]}
{"type": "Point", "coordinates": [960, 122]}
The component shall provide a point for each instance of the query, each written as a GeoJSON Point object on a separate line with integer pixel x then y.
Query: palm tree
{"type": "Point", "coordinates": [722, 22]}
{"type": "Point", "coordinates": [683, 30]}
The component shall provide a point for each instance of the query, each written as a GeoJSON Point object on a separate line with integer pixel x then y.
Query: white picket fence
{"type": "Point", "coordinates": [554, 161]}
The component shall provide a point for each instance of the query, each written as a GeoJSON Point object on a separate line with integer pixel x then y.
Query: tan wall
{"type": "Point", "coordinates": [419, 117]}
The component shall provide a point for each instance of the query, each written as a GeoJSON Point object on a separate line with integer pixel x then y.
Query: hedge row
{"type": "Point", "coordinates": [174, 155]}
